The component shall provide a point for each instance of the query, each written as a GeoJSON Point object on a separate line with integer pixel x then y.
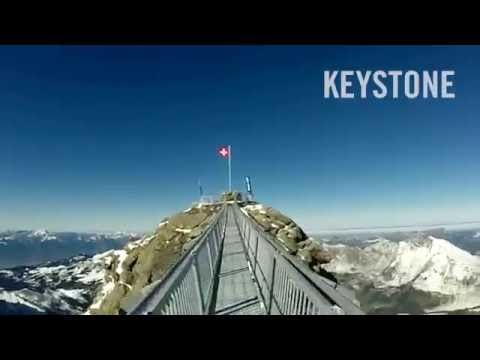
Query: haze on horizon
{"type": "Point", "coordinates": [115, 138]}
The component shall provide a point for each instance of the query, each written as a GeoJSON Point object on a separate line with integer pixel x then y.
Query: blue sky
{"type": "Point", "coordinates": [114, 138]}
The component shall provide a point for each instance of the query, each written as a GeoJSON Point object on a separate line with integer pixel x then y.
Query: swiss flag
{"type": "Point", "coordinates": [223, 152]}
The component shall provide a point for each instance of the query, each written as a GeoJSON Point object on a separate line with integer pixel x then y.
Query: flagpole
{"type": "Point", "coordinates": [229, 168]}
{"type": "Point", "coordinates": [200, 187]}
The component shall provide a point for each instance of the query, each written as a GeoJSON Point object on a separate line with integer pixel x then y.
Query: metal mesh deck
{"type": "Point", "coordinates": [236, 294]}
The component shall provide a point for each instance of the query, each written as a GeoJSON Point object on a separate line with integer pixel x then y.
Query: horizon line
{"type": "Point", "coordinates": [371, 228]}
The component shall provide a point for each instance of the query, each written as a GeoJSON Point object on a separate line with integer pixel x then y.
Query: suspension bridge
{"type": "Point", "coordinates": [236, 268]}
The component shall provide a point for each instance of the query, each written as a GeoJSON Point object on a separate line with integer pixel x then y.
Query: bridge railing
{"type": "Point", "coordinates": [287, 286]}
{"type": "Point", "coordinates": [187, 288]}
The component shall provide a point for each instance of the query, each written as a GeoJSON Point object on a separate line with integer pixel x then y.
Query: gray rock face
{"type": "Point", "coordinates": [291, 237]}
{"type": "Point", "coordinates": [230, 196]}
{"type": "Point", "coordinates": [154, 255]}
{"type": "Point", "coordinates": [318, 254]}
{"type": "Point", "coordinates": [188, 220]}
{"type": "Point", "coordinates": [279, 217]}
{"type": "Point", "coordinates": [286, 231]}
{"type": "Point", "coordinates": [295, 232]}
{"type": "Point", "coordinates": [305, 255]}
{"type": "Point", "coordinates": [284, 236]}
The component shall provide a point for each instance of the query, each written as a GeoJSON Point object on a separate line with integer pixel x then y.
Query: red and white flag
{"type": "Point", "coordinates": [224, 152]}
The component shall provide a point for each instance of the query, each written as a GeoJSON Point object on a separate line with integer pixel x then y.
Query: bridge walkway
{"type": "Point", "coordinates": [237, 292]}
{"type": "Point", "coordinates": [216, 277]}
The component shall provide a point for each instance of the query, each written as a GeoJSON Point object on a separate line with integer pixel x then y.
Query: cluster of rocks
{"type": "Point", "coordinates": [231, 196]}
{"type": "Point", "coordinates": [291, 237]}
{"type": "Point", "coordinates": [146, 260]}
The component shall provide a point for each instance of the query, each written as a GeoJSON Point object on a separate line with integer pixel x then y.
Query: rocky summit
{"type": "Point", "coordinates": [145, 261]}
{"type": "Point", "coordinates": [142, 262]}
{"type": "Point", "coordinates": [291, 237]}
{"type": "Point", "coordinates": [102, 284]}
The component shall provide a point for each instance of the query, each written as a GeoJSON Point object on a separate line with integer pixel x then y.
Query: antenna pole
{"type": "Point", "coordinates": [229, 168]}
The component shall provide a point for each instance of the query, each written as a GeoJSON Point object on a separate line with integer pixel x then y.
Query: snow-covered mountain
{"type": "Point", "coordinates": [96, 284]}
{"type": "Point", "coordinates": [63, 287]}
{"type": "Point", "coordinates": [433, 271]}
{"type": "Point", "coordinates": [70, 287]}
{"type": "Point", "coordinates": [39, 246]}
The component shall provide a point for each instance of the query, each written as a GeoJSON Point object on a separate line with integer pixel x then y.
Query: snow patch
{"type": "Point", "coordinates": [183, 231]}
{"type": "Point", "coordinates": [72, 293]}
{"type": "Point", "coordinates": [468, 300]}
{"type": "Point", "coordinates": [142, 242]}
{"type": "Point", "coordinates": [48, 270]}
{"type": "Point", "coordinates": [14, 297]}
{"type": "Point", "coordinates": [91, 277]}
{"type": "Point", "coordinates": [38, 233]}
{"type": "Point", "coordinates": [122, 255]}
{"type": "Point", "coordinates": [257, 207]}
{"type": "Point", "coordinates": [373, 241]}
{"type": "Point", "coordinates": [104, 291]}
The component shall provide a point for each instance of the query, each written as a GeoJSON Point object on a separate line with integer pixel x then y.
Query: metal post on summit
{"type": "Point", "coordinates": [200, 188]}
{"type": "Point", "coordinates": [229, 168]}
{"type": "Point", "coordinates": [248, 183]}
{"type": "Point", "coordinates": [226, 152]}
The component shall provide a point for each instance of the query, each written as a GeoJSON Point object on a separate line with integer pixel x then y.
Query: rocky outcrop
{"type": "Point", "coordinates": [145, 261]}
{"type": "Point", "coordinates": [291, 237]}
{"type": "Point", "coordinates": [230, 196]}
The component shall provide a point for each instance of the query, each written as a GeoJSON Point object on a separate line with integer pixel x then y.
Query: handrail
{"type": "Point", "coordinates": [187, 287]}
{"type": "Point", "coordinates": [286, 284]}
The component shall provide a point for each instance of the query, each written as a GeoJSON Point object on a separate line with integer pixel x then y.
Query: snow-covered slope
{"type": "Point", "coordinates": [70, 286]}
{"type": "Point", "coordinates": [424, 263]}
{"type": "Point", "coordinates": [97, 284]}
{"type": "Point", "coordinates": [64, 287]}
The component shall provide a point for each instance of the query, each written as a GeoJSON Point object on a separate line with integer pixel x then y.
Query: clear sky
{"type": "Point", "coordinates": [115, 138]}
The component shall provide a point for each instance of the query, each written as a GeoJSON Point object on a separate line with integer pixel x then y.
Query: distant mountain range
{"type": "Point", "coordinates": [39, 246]}
{"type": "Point", "coordinates": [415, 272]}
{"type": "Point", "coordinates": [417, 275]}
{"type": "Point", "coordinates": [466, 239]}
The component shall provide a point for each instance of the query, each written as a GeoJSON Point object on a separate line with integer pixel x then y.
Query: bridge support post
{"type": "Point", "coordinates": [209, 250]}
{"type": "Point", "coordinates": [270, 295]}
{"type": "Point", "coordinates": [197, 284]}
{"type": "Point", "coordinates": [255, 257]}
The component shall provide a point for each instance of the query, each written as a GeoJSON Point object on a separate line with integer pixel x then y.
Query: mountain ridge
{"type": "Point", "coordinates": [32, 247]}
{"type": "Point", "coordinates": [424, 263]}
